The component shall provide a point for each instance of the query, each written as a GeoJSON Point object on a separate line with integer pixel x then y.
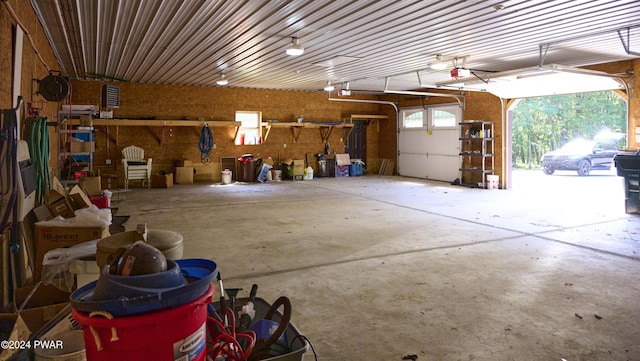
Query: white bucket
{"type": "Point", "coordinates": [226, 176]}
{"type": "Point", "coordinates": [493, 182]}
{"type": "Point", "coordinates": [278, 175]}
{"type": "Point", "coordinates": [73, 347]}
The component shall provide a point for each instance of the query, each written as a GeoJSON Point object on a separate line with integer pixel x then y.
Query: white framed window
{"type": "Point", "coordinates": [250, 132]}
{"type": "Point", "coordinates": [446, 116]}
{"type": "Point", "coordinates": [432, 117]}
{"type": "Point", "coordinates": [413, 118]}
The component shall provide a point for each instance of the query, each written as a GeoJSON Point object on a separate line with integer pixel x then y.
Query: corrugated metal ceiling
{"type": "Point", "coordinates": [191, 42]}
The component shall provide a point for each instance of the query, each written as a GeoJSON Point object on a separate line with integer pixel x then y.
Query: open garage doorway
{"type": "Point", "coordinates": [557, 139]}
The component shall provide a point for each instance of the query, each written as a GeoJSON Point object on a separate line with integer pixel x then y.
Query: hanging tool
{"type": "Point", "coordinates": [205, 144]}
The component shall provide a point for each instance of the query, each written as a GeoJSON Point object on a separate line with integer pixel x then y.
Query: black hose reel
{"type": "Point", "coordinates": [54, 88]}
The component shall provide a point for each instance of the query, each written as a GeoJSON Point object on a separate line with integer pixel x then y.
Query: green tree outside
{"type": "Point", "coordinates": [543, 124]}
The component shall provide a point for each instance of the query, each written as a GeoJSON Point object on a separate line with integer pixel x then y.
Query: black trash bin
{"type": "Point", "coordinates": [326, 166]}
{"type": "Point", "coordinates": [628, 166]}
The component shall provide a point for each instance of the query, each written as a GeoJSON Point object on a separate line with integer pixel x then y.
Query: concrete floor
{"type": "Point", "coordinates": [378, 267]}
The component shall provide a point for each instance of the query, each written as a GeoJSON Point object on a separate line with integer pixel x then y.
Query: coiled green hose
{"type": "Point", "coordinates": [38, 140]}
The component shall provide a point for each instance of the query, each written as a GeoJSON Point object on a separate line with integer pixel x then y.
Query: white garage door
{"type": "Point", "coordinates": [428, 142]}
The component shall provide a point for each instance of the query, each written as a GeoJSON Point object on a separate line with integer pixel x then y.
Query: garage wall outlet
{"type": "Point", "coordinates": [285, 145]}
{"type": "Point", "coordinates": [108, 162]}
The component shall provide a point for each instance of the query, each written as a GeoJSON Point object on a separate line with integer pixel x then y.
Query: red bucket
{"type": "Point", "coordinates": [174, 334]}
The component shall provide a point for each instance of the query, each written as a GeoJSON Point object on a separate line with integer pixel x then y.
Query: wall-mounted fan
{"type": "Point", "coordinates": [54, 87]}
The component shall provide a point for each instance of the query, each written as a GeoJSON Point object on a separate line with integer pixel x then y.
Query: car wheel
{"type": "Point", "coordinates": [584, 168]}
{"type": "Point", "coordinates": [548, 171]}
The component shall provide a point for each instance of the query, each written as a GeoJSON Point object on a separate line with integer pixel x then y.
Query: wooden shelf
{"type": "Point", "coordinates": [325, 129]}
{"type": "Point", "coordinates": [161, 123]}
{"type": "Point", "coordinates": [370, 118]}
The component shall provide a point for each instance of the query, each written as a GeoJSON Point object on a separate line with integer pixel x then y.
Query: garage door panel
{"type": "Point", "coordinates": [444, 142]}
{"type": "Point", "coordinates": [413, 165]}
{"type": "Point", "coordinates": [443, 167]}
{"type": "Point", "coordinates": [412, 141]}
{"type": "Point", "coordinates": [429, 155]}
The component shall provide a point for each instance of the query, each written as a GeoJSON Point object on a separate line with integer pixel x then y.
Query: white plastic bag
{"type": "Point", "coordinates": [55, 270]}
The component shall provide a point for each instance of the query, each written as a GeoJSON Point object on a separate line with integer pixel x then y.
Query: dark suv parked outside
{"type": "Point", "coordinates": [581, 155]}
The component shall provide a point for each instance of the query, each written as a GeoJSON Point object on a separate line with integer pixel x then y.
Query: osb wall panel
{"type": "Point", "coordinates": [32, 67]}
{"type": "Point", "coordinates": [487, 107]}
{"type": "Point", "coordinates": [166, 144]}
{"type": "Point", "coordinates": [385, 131]}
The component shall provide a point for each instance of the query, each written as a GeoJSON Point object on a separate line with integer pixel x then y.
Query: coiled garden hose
{"type": "Point", "coordinates": [38, 140]}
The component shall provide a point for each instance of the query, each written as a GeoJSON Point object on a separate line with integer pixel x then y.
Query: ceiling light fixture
{"type": "Point", "coordinates": [222, 81]}
{"type": "Point", "coordinates": [329, 87]}
{"type": "Point", "coordinates": [439, 64]}
{"type": "Point", "coordinates": [295, 49]}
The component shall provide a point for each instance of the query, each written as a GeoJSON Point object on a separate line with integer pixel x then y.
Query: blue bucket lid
{"type": "Point", "coordinates": [201, 271]}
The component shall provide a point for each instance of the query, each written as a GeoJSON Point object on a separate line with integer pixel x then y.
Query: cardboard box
{"type": "Point", "coordinates": [91, 185]}
{"type": "Point", "coordinates": [184, 175]}
{"type": "Point", "coordinates": [298, 167]}
{"type": "Point", "coordinates": [343, 159]}
{"type": "Point", "coordinates": [162, 180]}
{"type": "Point", "coordinates": [51, 237]}
{"type": "Point", "coordinates": [183, 163]}
{"type": "Point", "coordinates": [16, 329]}
{"type": "Point", "coordinates": [46, 303]}
{"type": "Point", "coordinates": [43, 306]}
{"type": "Point", "coordinates": [59, 205]}
{"type": "Point", "coordinates": [42, 213]}
{"type": "Point", "coordinates": [82, 147]}
{"type": "Point", "coordinates": [44, 295]}
{"type": "Point", "coordinates": [78, 198]}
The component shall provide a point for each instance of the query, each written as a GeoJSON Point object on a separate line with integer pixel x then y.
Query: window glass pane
{"type": "Point", "coordinates": [249, 120]}
{"type": "Point", "coordinates": [443, 118]}
{"type": "Point", "coordinates": [413, 118]}
{"type": "Point", "coordinates": [249, 132]}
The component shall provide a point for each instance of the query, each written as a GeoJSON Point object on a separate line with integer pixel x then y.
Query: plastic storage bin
{"type": "Point", "coordinates": [356, 169]}
{"type": "Point", "coordinates": [299, 346]}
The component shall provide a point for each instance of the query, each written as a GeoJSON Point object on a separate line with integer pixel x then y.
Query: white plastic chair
{"type": "Point", "coordinates": [135, 166]}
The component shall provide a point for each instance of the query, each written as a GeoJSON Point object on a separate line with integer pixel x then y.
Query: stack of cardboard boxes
{"type": "Point", "coordinates": [184, 171]}
{"type": "Point", "coordinates": [48, 237]}
{"type": "Point", "coordinates": [35, 306]}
